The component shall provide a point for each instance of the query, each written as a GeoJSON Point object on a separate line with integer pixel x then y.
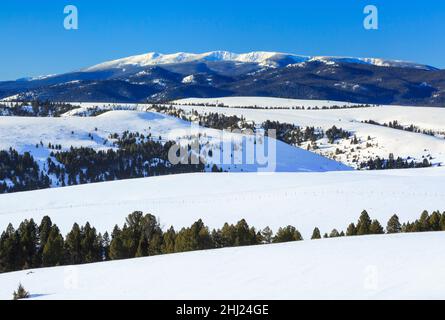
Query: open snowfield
{"type": "Point", "coordinates": [404, 266]}
{"type": "Point", "coordinates": [384, 140]}
{"type": "Point", "coordinates": [304, 200]}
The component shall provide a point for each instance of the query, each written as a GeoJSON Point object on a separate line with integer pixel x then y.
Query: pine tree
{"type": "Point", "coordinates": [287, 234]}
{"type": "Point", "coordinates": [10, 250]}
{"type": "Point", "coordinates": [44, 230]}
{"type": "Point", "coordinates": [53, 252]}
{"type": "Point", "coordinates": [90, 244]}
{"type": "Point", "coordinates": [267, 235]}
{"type": "Point", "coordinates": [442, 222]}
{"type": "Point", "coordinates": [393, 225]}
{"type": "Point", "coordinates": [363, 224]}
{"type": "Point", "coordinates": [21, 293]}
{"type": "Point", "coordinates": [73, 245]}
{"type": "Point", "coordinates": [376, 228]}
{"type": "Point", "coordinates": [316, 234]}
{"type": "Point", "coordinates": [168, 245]}
{"type": "Point", "coordinates": [424, 224]}
{"type": "Point", "coordinates": [117, 249]}
{"type": "Point", "coordinates": [334, 234]}
{"type": "Point", "coordinates": [351, 231]}
{"type": "Point", "coordinates": [29, 243]}
{"type": "Point", "coordinates": [434, 221]}
{"type": "Point", "coordinates": [105, 247]}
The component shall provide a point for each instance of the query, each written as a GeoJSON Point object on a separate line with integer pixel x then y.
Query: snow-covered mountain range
{"type": "Point", "coordinates": [155, 77]}
{"type": "Point", "coordinates": [264, 58]}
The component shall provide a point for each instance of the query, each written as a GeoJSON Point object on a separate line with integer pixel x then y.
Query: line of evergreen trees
{"type": "Point", "coordinates": [393, 163]}
{"type": "Point", "coordinates": [396, 125]}
{"type": "Point", "coordinates": [366, 226]}
{"type": "Point", "coordinates": [34, 246]}
{"type": "Point", "coordinates": [36, 109]}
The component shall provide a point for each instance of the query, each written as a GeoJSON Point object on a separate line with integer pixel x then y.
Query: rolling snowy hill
{"type": "Point", "coordinates": [372, 267]}
{"type": "Point", "coordinates": [305, 200]}
{"type": "Point", "coordinates": [383, 141]}
{"type": "Point", "coordinates": [34, 134]}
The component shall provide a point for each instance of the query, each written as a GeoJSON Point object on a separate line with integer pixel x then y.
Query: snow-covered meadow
{"type": "Point", "coordinates": [405, 266]}
{"type": "Point", "coordinates": [305, 200]}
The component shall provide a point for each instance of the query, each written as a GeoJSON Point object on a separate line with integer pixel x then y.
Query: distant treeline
{"type": "Point", "coordinates": [36, 109]}
{"type": "Point", "coordinates": [35, 246]}
{"type": "Point", "coordinates": [396, 125]}
{"type": "Point", "coordinates": [222, 105]}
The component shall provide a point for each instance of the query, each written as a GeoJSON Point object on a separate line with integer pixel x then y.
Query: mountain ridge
{"type": "Point", "coordinates": [155, 77]}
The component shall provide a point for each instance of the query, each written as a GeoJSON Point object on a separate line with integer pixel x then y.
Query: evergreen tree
{"type": "Point", "coordinates": [287, 234]}
{"type": "Point", "coordinates": [363, 224]}
{"type": "Point", "coordinates": [29, 243]}
{"type": "Point", "coordinates": [334, 234]}
{"type": "Point", "coordinates": [10, 250]}
{"type": "Point", "coordinates": [117, 249]}
{"type": "Point", "coordinates": [434, 221]}
{"type": "Point", "coordinates": [21, 293]}
{"type": "Point", "coordinates": [267, 235]}
{"type": "Point", "coordinates": [394, 225]}
{"type": "Point", "coordinates": [316, 234]}
{"type": "Point", "coordinates": [442, 222]}
{"type": "Point", "coordinates": [53, 252]}
{"type": "Point", "coordinates": [73, 245]}
{"type": "Point", "coordinates": [91, 246]}
{"type": "Point", "coordinates": [424, 224]}
{"type": "Point", "coordinates": [105, 247]}
{"type": "Point", "coordinates": [376, 228]}
{"type": "Point", "coordinates": [168, 245]}
{"type": "Point", "coordinates": [351, 231]}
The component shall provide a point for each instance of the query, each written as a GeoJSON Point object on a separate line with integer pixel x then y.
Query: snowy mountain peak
{"type": "Point", "coordinates": [264, 58]}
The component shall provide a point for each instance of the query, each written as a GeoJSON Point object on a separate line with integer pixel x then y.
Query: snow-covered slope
{"type": "Point", "coordinates": [383, 140]}
{"type": "Point", "coordinates": [25, 134]}
{"type": "Point", "coordinates": [306, 200]}
{"type": "Point", "coordinates": [406, 266]}
{"type": "Point", "coordinates": [259, 57]}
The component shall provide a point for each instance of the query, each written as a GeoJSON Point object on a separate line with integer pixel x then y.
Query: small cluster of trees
{"type": "Point", "coordinates": [37, 109]}
{"type": "Point", "coordinates": [392, 163]}
{"type": "Point", "coordinates": [335, 133]}
{"type": "Point", "coordinates": [292, 134]}
{"type": "Point", "coordinates": [34, 246]}
{"type": "Point", "coordinates": [366, 226]}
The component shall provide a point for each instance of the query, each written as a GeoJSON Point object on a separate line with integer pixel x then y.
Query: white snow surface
{"type": "Point", "coordinates": [404, 266]}
{"type": "Point", "coordinates": [261, 57]}
{"type": "Point", "coordinates": [305, 200]}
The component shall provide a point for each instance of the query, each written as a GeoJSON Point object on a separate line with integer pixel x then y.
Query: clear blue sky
{"type": "Point", "coordinates": [34, 41]}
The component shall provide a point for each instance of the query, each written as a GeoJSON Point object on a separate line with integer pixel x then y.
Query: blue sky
{"type": "Point", "coordinates": [34, 41]}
